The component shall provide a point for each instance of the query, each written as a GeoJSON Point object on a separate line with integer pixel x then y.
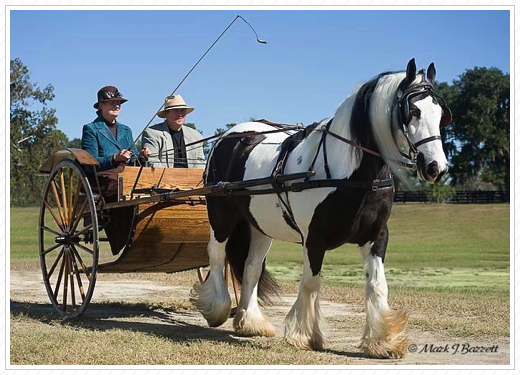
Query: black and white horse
{"type": "Point", "coordinates": [398, 116]}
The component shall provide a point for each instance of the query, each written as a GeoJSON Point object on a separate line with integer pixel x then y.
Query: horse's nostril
{"type": "Point", "coordinates": [441, 175]}
{"type": "Point", "coordinates": [433, 169]}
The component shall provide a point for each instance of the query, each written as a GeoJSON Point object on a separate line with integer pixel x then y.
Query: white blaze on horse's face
{"type": "Point", "coordinates": [431, 160]}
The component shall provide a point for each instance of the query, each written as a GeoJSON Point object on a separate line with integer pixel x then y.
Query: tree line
{"type": "Point", "coordinates": [477, 143]}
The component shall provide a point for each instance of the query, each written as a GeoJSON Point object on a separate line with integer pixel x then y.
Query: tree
{"type": "Point", "coordinates": [74, 143]}
{"type": "Point", "coordinates": [478, 140]}
{"type": "Point", "coordinates": [33, 134]}
{"type": "Point", "coordinates": [224, 129]}
{"type": "Point", "coordinates": [192, 125]}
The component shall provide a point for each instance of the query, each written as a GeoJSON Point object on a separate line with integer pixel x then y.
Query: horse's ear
{"type": "Point", "coordinates": [430, 74]}
{"type": "Point", "coordinates": [410, 71]}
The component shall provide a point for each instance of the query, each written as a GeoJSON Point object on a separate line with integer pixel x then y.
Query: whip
{"type": "Point", "coordinates": [194, 66]}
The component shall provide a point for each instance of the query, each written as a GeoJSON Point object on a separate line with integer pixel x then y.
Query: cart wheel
{"type": "Point", "coordinates": [68, 239]}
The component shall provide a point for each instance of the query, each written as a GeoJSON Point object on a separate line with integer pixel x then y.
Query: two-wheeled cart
{"type": "Point", "coordinates": [158, 223]}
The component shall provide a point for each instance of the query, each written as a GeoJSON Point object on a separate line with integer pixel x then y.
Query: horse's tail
{"type": "Point", "coordinates": [237, 250]}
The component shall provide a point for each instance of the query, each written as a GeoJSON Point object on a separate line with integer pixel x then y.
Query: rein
{"type": "Point", "coordinates": [349, 142]}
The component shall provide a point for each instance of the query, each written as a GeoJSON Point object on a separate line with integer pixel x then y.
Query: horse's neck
{"type": "Point", "coordinates": [350, 161]}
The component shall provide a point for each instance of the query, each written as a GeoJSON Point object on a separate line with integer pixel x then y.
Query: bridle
{"type": "Point", "coordinates": [401, 117]}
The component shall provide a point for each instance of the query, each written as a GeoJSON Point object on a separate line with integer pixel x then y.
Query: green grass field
{"type": "Point", "coordinates": [430, 246]}
{"type": "Point", "coordinates": [434, 246]}
{"type": "Point", "coordinates": [447, 265]}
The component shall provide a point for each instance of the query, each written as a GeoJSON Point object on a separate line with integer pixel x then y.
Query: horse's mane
{"type": "Point", "coordinates": [368, 111]}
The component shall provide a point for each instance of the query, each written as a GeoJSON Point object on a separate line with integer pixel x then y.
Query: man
{"type": "Point", "coordinates": [165, 143]}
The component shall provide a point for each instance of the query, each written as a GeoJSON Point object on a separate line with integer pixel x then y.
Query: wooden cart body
{"type": "Point", "coordinates": [165, 236]}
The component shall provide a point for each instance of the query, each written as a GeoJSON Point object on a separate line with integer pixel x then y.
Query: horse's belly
{"type": "Point", "coordinates": [268, 215]}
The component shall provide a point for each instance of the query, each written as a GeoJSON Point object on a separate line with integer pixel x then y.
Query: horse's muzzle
{"type": "Point", "coordinates": [430, 172]}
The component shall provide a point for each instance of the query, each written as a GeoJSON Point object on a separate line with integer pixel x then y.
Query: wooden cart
{"type": "Point", "coordinates": [158, 223]}
{"type": "Point", "coordinates": [165, 236]}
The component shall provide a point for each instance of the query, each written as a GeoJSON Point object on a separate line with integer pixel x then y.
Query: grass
{"type": "Point", "coordinates": [145, 333]}
{"type": "Point", "coordinates": [438, 246]}
{"type": "Point", "coordinates": [24, 233]}
{"type": "Point", "coordinates": [173, 345]}
{"type": "Point", "coordinates": [449, 265]}
{"type": "Point", "coordinates": [431, 245]}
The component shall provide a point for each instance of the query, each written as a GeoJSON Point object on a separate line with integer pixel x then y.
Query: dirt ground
{"type": "Point", "coordinates": [26, 287]}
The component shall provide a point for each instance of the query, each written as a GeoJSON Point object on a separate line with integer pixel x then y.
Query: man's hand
{"type": "Point", "coordinates": [146, 152]}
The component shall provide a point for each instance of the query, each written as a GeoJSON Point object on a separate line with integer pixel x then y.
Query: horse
{"type": "Point", "coordinates": [386, 127]}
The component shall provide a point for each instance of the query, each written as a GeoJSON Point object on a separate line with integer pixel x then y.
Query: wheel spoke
{"type": "Point", "coordinates": [51, 248]}
{"type": "Point", "coordinates": [50, 230]}
{"type": "Point", "coordinates": [84, 248]}
{"type": "Point", "coordinates": [65, 282]}
{"type": "Point", "coordinates": [71, 280]}
{"type": "Point", "coordinates": [71, 185]}
{"type": "Point", "coordinates": [80, 216]}
{"type": "Point", "coordinates": [58, 202]}
{"type": "Point", "coordinates": [64, 199]}
{"type": "Point", "coordinates": [59, 277]}
{"type": "Point", "coordinates": [86, 229]}
{"type": "Point", "coordinates": [78, 277]}
{"type": "Point", "coordinates": [83, 266]}
{"type": "Point", "coordinates": [48, 206]}
{"type": "Point", "coordinates": [75, 205]}
{"type": "Point", "coordinates": [49, 274]}
{"type": "Point", "coordinates": [72, 292]}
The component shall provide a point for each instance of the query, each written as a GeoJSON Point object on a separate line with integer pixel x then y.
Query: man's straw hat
{"type": "Point", "coordinates": [174, 102]}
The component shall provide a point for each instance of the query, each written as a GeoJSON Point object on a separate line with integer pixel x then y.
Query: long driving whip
{"type": "Point", "coordinates": [194, 66]}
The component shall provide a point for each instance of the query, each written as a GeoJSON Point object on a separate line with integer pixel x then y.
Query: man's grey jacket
{"type": "Point", "coordinates": [158, 140]}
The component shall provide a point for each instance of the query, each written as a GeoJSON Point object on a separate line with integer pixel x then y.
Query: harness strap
{"type": "Point", "coordinates": [349, 142]}
{"type": "Point", "coordinates": [429, 139]}
{"type": "Point", "coordinates": [325, 130]}
{"type": "Point", "coordinates": [375, 185]}
{"type": "Point", "coordinates": [325, 159]}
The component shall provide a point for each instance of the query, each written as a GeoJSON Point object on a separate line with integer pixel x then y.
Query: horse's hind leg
{"type": "Point", "coordinates": [249, 319]}
{"type": "Point", "coordinates": [212, 297]}
{"type": "Point", "coordinates": [302, 324]}
{"type": "Point", "coordinates": [385, 330]}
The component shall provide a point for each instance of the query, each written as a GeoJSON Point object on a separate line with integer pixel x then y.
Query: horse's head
{"type": "Point", "coordinates": [418, 114]}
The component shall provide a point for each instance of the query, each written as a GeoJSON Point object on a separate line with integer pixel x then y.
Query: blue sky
{"type": "Point", "coordinates": [313, 59]}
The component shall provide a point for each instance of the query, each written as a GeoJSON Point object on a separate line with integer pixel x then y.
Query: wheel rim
{"type": "Point", "coordinates": [68, 239]}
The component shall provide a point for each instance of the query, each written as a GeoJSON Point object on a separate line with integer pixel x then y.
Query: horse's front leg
{"type": "Point", "coordinates": [249, 319]}
{"type": "Point", "coordinates": [385, 330]}
{"type": "Point", "coordinates": [302, 324]}
{"type": "Point", "coordinates": [212, 297]}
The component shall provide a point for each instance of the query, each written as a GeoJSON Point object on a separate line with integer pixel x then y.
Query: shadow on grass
{"type": "Point", "coordinates": [109, 316]}
{"type": "Point", "coordinates": [101, 317]}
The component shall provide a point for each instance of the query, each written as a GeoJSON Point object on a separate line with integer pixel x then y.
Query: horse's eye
{"type": "Point", "coordinates": [415, 112]}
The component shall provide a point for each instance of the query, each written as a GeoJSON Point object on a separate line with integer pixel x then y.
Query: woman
{"type": "Point", "coordinates": [109, 141]}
